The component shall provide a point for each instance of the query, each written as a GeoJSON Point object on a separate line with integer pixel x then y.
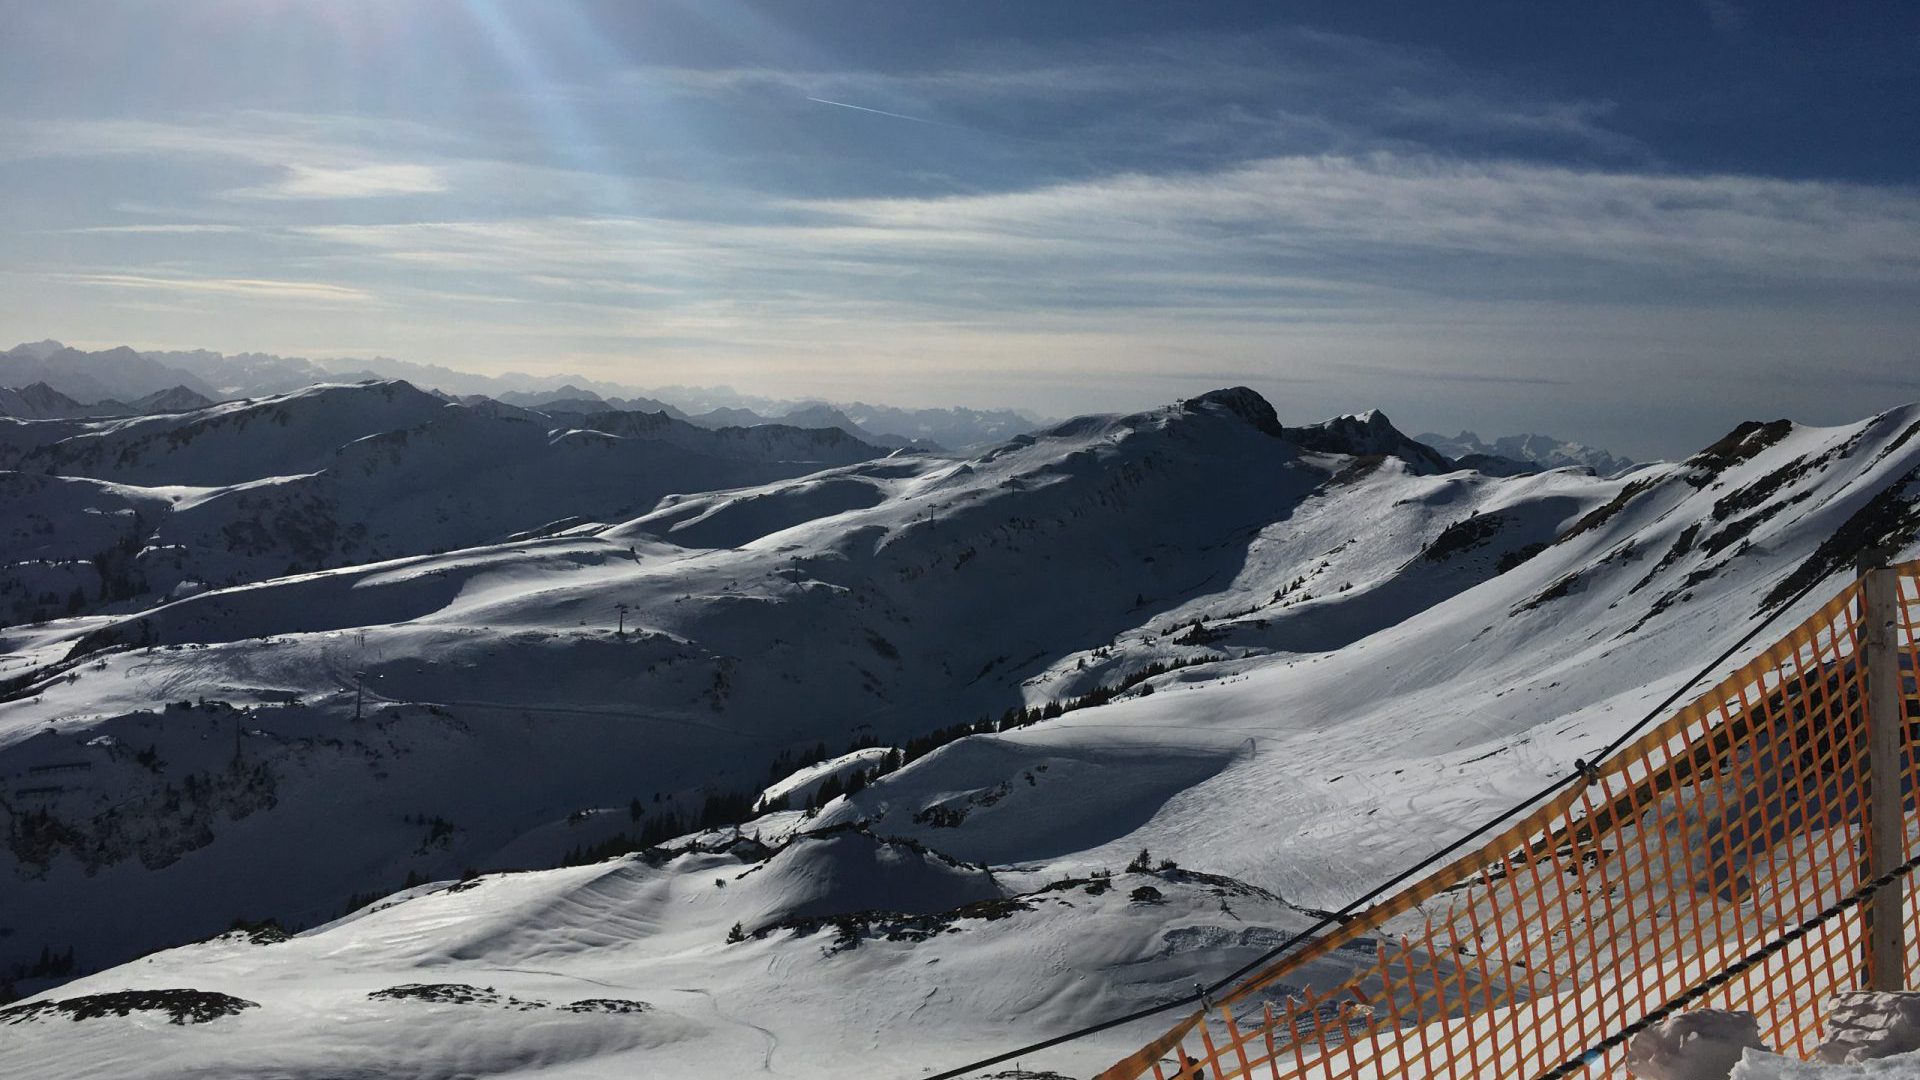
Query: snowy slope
{"type": "Point", "coordinates": [461, 478]}
{"type": "Point", "coordinates": [236, 441]}
{"type": "Point", "coordinates": [1378, 654]}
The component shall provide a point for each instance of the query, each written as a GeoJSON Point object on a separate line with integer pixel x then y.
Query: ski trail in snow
{"type": "Point", "coordinates": [161, 677]}
{"type": "Point", "coordinates": [773, 1041]}
{"type": "Point", "coordinates": [372, 693]}
{"type": "Point", "coordinates": [575, 978]}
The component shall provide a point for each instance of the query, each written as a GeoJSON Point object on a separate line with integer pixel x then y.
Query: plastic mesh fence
{"type": "Point", "coordinates": [1740, 818]}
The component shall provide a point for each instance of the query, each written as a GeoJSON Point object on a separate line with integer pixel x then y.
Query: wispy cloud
{"type": "Point", "coordinates": [1317, 209]}
{"type": "Point", "coordinates": [1278, 91]}
{"type": "Point", "coordinates": [1304, 230]}
{"type": "Point", "coordinates": [168, 229]}
{"type": "Point", "coordinates": [353, 182]}
{"type": "Point", "coordinates": [249, 135]}
{"type": "Point", "coordinates": [1447, 375]}
{"type": "Point", "coordinates": [240, 288]}
{"type": "Point", "coordinates": [309, 157]}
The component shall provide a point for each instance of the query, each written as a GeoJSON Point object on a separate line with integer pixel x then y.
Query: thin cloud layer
{"type": "Point", "coordinates": [354, 182]}
{"type": "Point", "coordinates": [306, 292]}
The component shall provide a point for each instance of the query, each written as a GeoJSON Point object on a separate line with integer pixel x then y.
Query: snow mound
{"type": "Point", "coordinates": [1704, 1044]}
{"type": "Point", "coordinates": [992, 799]}
{"type": "Point", "coordinates": [843, 871]}
{"type": "Point", "coordinates": [1863, 1025]}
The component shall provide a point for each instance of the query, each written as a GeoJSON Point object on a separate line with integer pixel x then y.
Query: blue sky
{"type": "Point", "coordinates": [1628, 223]}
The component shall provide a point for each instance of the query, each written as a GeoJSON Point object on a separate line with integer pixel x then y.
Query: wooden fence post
{"type": "Point", "coordinates": [1886, 766]}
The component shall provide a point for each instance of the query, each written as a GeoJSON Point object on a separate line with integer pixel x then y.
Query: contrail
{"type": "Point", "coordinates": [880, 112]}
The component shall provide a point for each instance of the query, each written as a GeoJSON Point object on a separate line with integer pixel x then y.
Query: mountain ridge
{"type": "Point", "coordinates": [125, 373]}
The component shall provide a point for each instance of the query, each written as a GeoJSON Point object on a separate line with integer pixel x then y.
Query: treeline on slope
{"type": "Point", "coordinates": [720, 809]}
{"type": "Point", "coordinates": [1012, 719]}
{"type": "Point", "coordinates": [51, 965]}
{"type": "Point", "coordinates": [117, 577]}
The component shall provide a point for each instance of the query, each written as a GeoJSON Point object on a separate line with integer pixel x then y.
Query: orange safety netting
{"type": "Point", "coordinates": [1713, 836]}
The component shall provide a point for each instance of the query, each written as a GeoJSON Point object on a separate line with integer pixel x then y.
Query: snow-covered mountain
{"type": "Point", "coordinates": [1284, 659]}
{"type": "Point", "coordinates": [111, 512]}
{"type": "Point", "coordinates": [1540, 451]}
{"type": "Point", "coordinates": [1370, 434]}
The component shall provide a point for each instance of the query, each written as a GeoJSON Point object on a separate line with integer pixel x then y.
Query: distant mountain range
{"type": "Point", "coordinates": [123, 374]}
{"type": "Point", "coordinates": [38, 401]}
{"type": "Point", "coordinates": [123, 381]}
{"type": "Point", "coordinates": [1542, 451]}
{"type": "Point", "coordinates": [119, 374]}
{"type": "Point", "coordinates": [570, 400]}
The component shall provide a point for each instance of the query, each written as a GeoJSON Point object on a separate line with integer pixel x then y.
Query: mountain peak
{"type": "Point", "coordinates": [38, 401]}
{"type": "Point", "coordinates": [1238, 401]}
{"type": "Point", "coordinates": [172, 399]}
{"type": "Point", "coordinates": [1369, 433]}
{"type": "Point", "coordinates": [37, 350]}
